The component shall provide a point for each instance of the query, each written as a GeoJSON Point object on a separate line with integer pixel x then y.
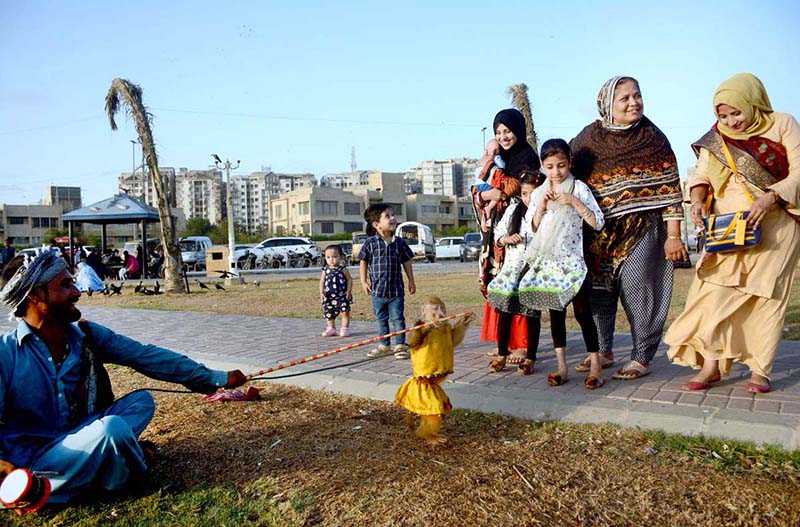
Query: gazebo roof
{"type": "Point", "coordinates": [119, 208]}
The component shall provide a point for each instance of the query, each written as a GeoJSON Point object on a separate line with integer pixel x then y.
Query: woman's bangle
{"type": "Point", "coordinates": [674, 238]}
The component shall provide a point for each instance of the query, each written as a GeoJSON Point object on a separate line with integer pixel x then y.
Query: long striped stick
{"type": "Point", "coordinates": [351, 346]}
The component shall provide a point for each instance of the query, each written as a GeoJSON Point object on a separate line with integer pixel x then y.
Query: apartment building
{"type": "Point", "coordinates": [140, 185]}
{"type": "Point", "coordinates": [448, 177]}
{"type": "Point", "coordinates": [68, 197]}
{"type": "Point", "coordinates": [27, 225]}
{"type": "Point", "coordinates": [200, 194]}
{"type": "Point", "coordinates": [327, 210]}
{"type": "Point", "coordinates": [345, 180]}
{"type": "Point", "coordinates": [434, 210]}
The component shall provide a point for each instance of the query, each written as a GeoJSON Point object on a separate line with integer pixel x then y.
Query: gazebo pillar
{"type": "Point", "coordinates": [143, 262]}
{"type": "Point", "coordinates": [103, 239]}
{"type": "Point", "coordinates": [71, 257]}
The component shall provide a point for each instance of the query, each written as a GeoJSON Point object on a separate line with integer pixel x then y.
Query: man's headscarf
{"type": "Point", "coordinates": [34, 273]}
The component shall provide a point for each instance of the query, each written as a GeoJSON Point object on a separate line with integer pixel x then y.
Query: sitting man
{"type": "Point", "coordinates": [57, 413]}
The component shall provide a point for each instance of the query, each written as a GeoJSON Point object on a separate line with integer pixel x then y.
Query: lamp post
{"type": "Point", "coordinates": [229, 205]}
{"type": "Point", "coordinates": [483, 134]}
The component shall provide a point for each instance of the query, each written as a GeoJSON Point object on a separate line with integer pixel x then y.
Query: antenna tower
{"type": "Point", "coordinates": [353, 160]}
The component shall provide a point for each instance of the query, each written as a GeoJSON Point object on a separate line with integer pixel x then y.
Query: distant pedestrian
{"type": "Point", "coordinates": [335, 292]}
{"type": "Point", "coordinates": [7, 254]}
{"type": "Point", "coordinates": [382, 258]}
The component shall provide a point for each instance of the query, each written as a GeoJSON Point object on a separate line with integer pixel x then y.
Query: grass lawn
{"type": "Point", "coordinates": [302, 457]}
{"type": "Point", "coordinates": [300, 298]}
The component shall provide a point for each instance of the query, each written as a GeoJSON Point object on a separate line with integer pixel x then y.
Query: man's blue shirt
{"type": "Point", "coordinates": [40, 403]}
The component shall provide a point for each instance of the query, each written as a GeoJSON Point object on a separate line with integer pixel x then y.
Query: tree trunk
{"type": "Point", "coordinates": [520, 101]}
{"type": "Point", "coordinates": [131, 94]}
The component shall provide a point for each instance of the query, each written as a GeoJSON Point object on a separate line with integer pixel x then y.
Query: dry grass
{"type": "Point", "coordinates": [323, 459]}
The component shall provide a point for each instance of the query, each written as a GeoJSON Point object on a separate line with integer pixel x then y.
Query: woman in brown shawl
{"type": "Point", "coordinates": [737, 303]}
{"type": "Point", "coordinates": [630, 167]}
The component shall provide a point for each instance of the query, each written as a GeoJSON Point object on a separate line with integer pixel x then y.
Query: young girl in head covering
{"type": "Point", "coordinates": [556, 270]}
{"type": "Point", "coordinates": [514, 233]}
{"type": "Point", "coordinates": [736, 305]}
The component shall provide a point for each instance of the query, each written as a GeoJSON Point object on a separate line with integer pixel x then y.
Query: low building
{"type": "Point", "coordinates": [327, 210]}
{"type": "Point", "coordinates": [28, 225]}
{"type": "Point", "coordinates": [434, 210]}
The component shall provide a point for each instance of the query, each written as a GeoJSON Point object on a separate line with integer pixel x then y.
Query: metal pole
{"type": "Point", "coordinates": [229, 205]}
{"type": "Point", "coordinates": [483, 134]}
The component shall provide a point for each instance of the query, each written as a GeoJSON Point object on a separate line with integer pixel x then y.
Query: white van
{"type": "Point", "coordinates": [193, 251]}
{"type": "Point", "coordinates": [419, 238]}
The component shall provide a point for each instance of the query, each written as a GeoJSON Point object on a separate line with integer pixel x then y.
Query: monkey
{"type": "Point", "coordinates": [432, 361]}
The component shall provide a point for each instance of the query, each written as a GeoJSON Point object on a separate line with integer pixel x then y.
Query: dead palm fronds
{"type": "Point", "coordinates": [123, 92]}
{"type": "Point", "coordinates": [520, 101]}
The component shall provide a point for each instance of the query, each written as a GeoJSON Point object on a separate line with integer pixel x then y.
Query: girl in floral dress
{"type": "Point", "coordinates": [556, 270]}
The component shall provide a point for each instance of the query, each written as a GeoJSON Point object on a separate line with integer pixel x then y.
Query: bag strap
{"type": "Point", "coordinates": [733, 224]}
{"type": "Point", "coordinates": [729, 157]}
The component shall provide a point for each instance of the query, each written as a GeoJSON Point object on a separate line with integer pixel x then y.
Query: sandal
{"type": "Point", "coordinates": [496, 366]}
{"type": "Point", "coordinates": [526, 368]}
{"type": "Point", "coordinates": [632, 371]}
{"type": "Point", "coordinates": [758, 388]}
{"type": "Point", "coordinates": [592, 382]}
{"type": "Point", "coordinates": [555, 379]}
{"type": "Point", "coordinates": [693, 386]}
{"type": "Point", "coordinates": [584, 365]}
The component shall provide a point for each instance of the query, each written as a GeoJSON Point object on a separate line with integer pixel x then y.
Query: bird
{"type": "Point", "coordinates": [138, 287]}
{"type": "Point", "coordinates": [225, 274]}
{"type": "Point", "coordinates": [105, 291]}
{"type": "Point", "coordinates": [157, 288]}
{"type": "Point", "coordinates": [115, 289]}
{"type": "Point", "coordinates": [257, 283]}
{"type": "Point", "coordinates": [219, 287]}
{"type": "Point", "coordinates": [202, 285]}
{"type": "Point", "coordinates": [216, 158]}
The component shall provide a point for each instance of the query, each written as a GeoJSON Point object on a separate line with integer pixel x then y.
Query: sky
{"type": "Point", "coordinates": [295, 85]}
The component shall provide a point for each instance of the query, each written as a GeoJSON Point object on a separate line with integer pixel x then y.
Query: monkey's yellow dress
{"type": "Point", "coordinates": [432, 362]}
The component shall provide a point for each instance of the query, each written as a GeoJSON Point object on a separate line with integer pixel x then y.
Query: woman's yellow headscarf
{"type": "Point", "coordinates": [746, 93]}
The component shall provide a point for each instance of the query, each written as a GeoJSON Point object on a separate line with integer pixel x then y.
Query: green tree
{"type": "Point", "coordinates": [198, 227]}
{"type": "Point", "coordinates": [124, 92]}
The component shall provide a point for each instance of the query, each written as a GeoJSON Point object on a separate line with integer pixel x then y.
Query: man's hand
{"type": "Point", "coordinates": [412, 287]}
{"type": "Point", "coordinates": [366, 288]}
{"type": "Point", "coordinates": [235, 379]}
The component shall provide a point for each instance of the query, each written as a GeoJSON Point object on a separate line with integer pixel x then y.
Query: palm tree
{"type": "Point", "coordinates": [125, 92]}
{"type": "Point", "coordinates": [520, 101]}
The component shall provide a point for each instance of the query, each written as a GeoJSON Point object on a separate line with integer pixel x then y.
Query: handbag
{"type": "Point", "coordinates": [730, 232]}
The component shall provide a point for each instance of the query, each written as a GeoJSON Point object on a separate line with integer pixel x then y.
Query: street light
{"type": "Point", "coordinates": [483, 134]}
{"type": "Point", "coordinates": [229, 204]}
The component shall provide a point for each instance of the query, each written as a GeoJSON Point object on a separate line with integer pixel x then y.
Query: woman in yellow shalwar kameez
{"type": "Point", "coordinates": [432, 350]}
{"type": "Point", "coordinates": [736, 305]}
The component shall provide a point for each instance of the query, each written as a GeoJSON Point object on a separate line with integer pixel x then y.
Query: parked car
{"type": "Point", "coordinates": [419, 238]}
{"type": "Point", "coordinates": [472, 246]}
{"type": "Point", "coordinates": [286, 245]}
{"type": "Point", "coordinates": [193, 251]}
{"type": "Point", "coordinates": [449, 247]}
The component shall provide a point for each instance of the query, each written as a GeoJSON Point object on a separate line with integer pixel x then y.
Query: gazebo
{"type": "Point", "coordinates": [119, 209]}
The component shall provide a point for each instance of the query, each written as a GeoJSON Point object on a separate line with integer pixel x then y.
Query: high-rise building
{"type": "Point", "coordinates": [200, 194]}
{"type": "Point", "coordinates": [68, 197]}
{"type": "Point", "coordinates": [448, 177]}
{"type": "Point", "coordinates": [140, 185]}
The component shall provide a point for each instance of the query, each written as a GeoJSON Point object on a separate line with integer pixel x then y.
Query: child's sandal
{"type": "Point", "coordinates": [526, 368]}
{"type": "Point", "coordinates": [592, 382]}
{"type": "Point", "coordinates": [555, 379]}
{"type": "Point", "coordinates": [496, 366]}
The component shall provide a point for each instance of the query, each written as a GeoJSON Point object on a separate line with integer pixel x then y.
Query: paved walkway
{"type": "Point", "coordinates": [655, 402]}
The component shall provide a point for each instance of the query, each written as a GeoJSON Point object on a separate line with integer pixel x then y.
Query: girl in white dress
{"type": "Point", "coordinates": [556, 274]}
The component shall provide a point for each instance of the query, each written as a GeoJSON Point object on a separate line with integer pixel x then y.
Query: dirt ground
{"type": "Point", "coordinates": [353, 462]}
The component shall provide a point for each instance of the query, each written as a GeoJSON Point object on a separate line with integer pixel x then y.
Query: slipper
{"type": "Point", "coordinates": [631, 371]}
{"type": "Point", "coordinates": [497, 366]}
{"type": "Point", "coordinates": [516, 359]}
{"type": "Point", "coordinates": [584, 365]}
{"type": "Point", "coordinates": [555, 379]}
{"type": "Point", "coordinates": [592, 382]}
{"type": "Point", "coordinates": [693, 386]}
{"type": "Point", "coordinates": [526, 368]}
{"type": "Point", "coordinates": [757, 388]}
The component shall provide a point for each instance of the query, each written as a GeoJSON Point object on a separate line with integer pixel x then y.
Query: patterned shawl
{"type": "Point", "coordinates": [631, 170]}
